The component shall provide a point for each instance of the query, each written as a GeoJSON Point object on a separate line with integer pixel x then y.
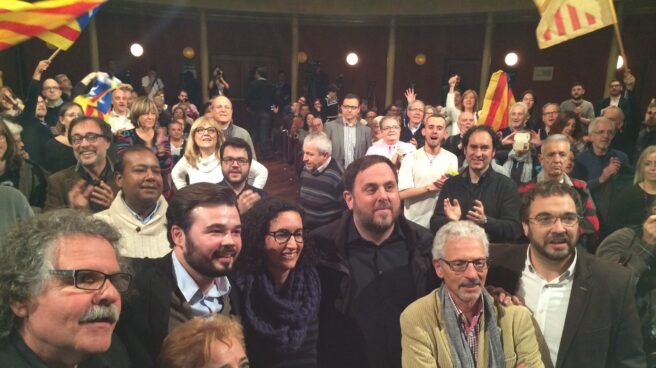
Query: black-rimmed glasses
{"type": "Point", "coordinates": [239, 160]}
{"type": "Point", "coordinates": [202, 131]}
{"type": "Point", "coordinates": [90, 137]}
{"type": "Point", "coordinates": [283, 236]}
{"type": "Point", "coordinates": [95, 280]}
{"type": "Point", "coordinates": [460, 265]}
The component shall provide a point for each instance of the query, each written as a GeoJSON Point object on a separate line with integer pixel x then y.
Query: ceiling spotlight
{"type": "Point", "coordinates": [620, 62]}
{"type": "Point", "coordinates": [136, 50]}
{"type": "Point", "coordinates": [352, 58]}
{"type": "Point", "coordinates": [511, 59]}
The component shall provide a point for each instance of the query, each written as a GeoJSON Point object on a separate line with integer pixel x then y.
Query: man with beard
{"type": "Point", "coordinates": [424, 171]}
{"type": "Point", "coordinates": [89, 184]}
{"type": "Point", "coordinates": [374, 264]}
{"type": "Point", "coordinates": [139, 209]}
{"type": "Point", "coordinates": [236, 159]}
{"type": "Point", "coordinates": [480, 194]}
{"type": "Point", "coordinates": [585, 307]}
{"type": "Point", "coordinates": [204, 231]}
{"type": "Point", "coordinates": [582, 108]}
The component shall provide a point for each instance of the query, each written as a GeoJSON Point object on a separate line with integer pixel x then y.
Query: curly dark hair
{"type": "Point", "coordinates": [255, 222]}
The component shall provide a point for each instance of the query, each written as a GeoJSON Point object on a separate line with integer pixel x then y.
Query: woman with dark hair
{"type": "Point", "coordinates": [279, 286]}
{"type": "Point", "coordinates": [180, 114]}
{"type": "Point", "coordinates": [316, 109]}
{"type": "Point", "coordinates": [218, 84]}
{"type": "Point", "coordinates": [569, 125]}
{"type": "Point", "coordinates": [534, 118]}
{"type": "Point", "coordinates": [20, 173]}
{"type": "Point", "coordinates": [59, 150]}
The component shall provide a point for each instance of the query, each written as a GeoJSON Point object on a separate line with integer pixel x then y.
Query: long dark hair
{"type": "Point", "coordinates": [255, 222]}
{"type": "Point", "coordinates": [11, 156]}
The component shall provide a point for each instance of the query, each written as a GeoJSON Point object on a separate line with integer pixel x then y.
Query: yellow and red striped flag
{"type": "Point", "coordinates": [59, 22]}
{"type": "Point", "coordinates": [498, 100]}
{"type": "Point", "coordinates": [562, 20]}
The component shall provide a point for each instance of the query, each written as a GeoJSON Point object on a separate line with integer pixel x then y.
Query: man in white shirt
{"type": "Point", "coordinates": [119, 116]}
{"type": "Point", "coordinates": [424, 171]}
{"type": "Point", "coordinates": [585, 307]}
{"type": "Point", "coordinates": [204, 231]}
{"type": "Point", "coordinates": [151, 82]}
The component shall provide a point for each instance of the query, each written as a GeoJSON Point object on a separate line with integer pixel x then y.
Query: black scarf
{"type": "Point", "coordinates": [280, 317]}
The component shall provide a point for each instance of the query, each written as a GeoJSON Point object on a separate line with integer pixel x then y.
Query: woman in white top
{"type": "Point", "coordinates": [455, 105]}
{"type": "Point", "coordinates": [201, 161]}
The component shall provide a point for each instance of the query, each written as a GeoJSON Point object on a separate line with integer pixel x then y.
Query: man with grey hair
{"type": "Point", "coordinates": [411, 133]}
{"type": "Point", "coordinates": [321, 182]}
{"type": "Point", "coordinates": [460, 324]}
{"type": "Point", "coordinates": [600, 164]}
{"type": "Point", "coordinates": [554, 159]}
{"type": "Point", "coordinates": [60, 294]}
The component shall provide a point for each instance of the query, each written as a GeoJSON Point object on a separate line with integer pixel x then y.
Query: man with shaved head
{"type": "Point", "coordinates": [221, 109]}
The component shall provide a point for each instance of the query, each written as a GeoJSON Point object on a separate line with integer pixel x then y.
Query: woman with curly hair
{"type": "Point", "coordinates": [279, 286]}
{"type": "Point", "coordinates": [569, 124]}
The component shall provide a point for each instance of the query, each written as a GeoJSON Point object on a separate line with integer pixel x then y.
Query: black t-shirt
{"type": "Point", "coordinates": [10, 179]}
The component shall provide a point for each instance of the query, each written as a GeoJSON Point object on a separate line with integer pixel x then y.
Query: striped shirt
{"type": "Point", "coordinates": [470, 329]}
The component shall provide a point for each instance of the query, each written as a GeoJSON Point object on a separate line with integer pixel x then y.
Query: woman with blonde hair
{"type": "Point", "coordinates": [630, 207]}
{"type": "Point", "coordinates": [216, 341]}
{"type": "Point", "coordinates": [202, 162]}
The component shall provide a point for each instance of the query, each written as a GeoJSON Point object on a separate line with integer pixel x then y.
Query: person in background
{"type": "Point", "coordinates": [60, 151]}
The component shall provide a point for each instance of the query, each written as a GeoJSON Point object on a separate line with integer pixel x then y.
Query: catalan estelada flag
{"type": "Point", "coordinates": [562, 20]}
{"type": "Point", "coordinates": [58, 22]}
{"type": "Point", "coordinates": [98, 101]}
{"type": "Point", "coordinates": [498, 100]}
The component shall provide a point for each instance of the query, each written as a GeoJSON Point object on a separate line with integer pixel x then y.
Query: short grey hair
{"type": "Point", "coordinates": [386, 118]}
{"type": "Point", "coordinates": [613, 107]}
{"type": "Point", "coordinates": [520, 105]}
{"type": "Point", "coordinates": [26, 255]}
{"type": "Point", "coordinates": [321, 141]}
{"type": "Point", "coordinates": [555, 138]}
{"type": "Point", "coordinates": [592, 128]}
{"type": "Point", "coordinates": [459, 230]}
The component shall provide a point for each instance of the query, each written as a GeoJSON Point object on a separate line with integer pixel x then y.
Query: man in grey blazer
{"type": "Point", "coordinates": [350, 139]}
{"type": "Point", "coordinates": [585, 306]}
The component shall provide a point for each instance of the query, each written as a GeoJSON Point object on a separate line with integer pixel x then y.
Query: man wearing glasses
{"type": "Point", "coordinates": [236, 159]}
{"type": "Point", "coordinates": [460, 324]}
{"type": "Point", "coordinates": [61, 293]}
{"type": "Point", "coordinates": [585, 307]}
{"type": "Point", "coordinates": [412, 132]}
{"type": "Point", "coordinates": [52, 93]}
{"type": "Point", "coordinates": [90, 183]}
{"type": "Point", "coordinates": [390, 146]}
{"type": "Point", "coordinates": [350, 138]}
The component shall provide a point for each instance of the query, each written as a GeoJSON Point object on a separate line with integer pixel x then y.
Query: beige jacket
{"type": "Point", "coordinates": [425, 341]}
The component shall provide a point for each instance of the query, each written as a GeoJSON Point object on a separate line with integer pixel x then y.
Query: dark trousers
{"type": "Point", "coordinates": [262, 133]}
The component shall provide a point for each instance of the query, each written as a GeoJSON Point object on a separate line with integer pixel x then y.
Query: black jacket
{"type": "Point", "coordinates": [500, 201]}
{"type": "Point", "coordinates": [367, 333]}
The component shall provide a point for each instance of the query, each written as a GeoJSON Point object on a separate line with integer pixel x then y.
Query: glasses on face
{"type": "Point", "coordinates": [416, 110]}
{"type": "Point", "coordinates": [550, 113]}
{"type": "Point", "coordinates": [90, 137]}
{"type": "Point", "coordinates": [568, 219]}
{"type": "Point", "coordinates": [203, 131]}
{"type": "Point", "coordinates": [50, 88]}
{"type": "Point", "coordinates": [350, 107]}
{"type": "Point", "coordinates": [230, 160]}
{"type": "Point", "coordinates": [390, 127]}
{"type": "Point", "coordinates": [283, 236]}
{"type": "Point", "coordinates": [95, 280]}
{"type": "Point", "coordinates": [460, 265]}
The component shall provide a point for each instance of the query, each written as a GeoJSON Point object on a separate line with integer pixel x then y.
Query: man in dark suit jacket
{"type": "Point", "coordinates": [584, 306]}
{"type": "Point", "coordinates": [204, 231]}
{"type": "Point", "coordinates": [349, 122]}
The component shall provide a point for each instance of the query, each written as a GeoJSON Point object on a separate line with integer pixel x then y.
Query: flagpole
{"type": "Point", "coordinates": [54, 54]}
{"type": "Point", "coordinates": [617, 34]}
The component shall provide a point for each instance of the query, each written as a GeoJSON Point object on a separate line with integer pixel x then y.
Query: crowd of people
{"type": "Point", "coordinates": [420, 237]}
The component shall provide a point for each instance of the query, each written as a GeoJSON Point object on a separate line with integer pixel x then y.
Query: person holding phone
{"type": "Point", "coordinates": [218, 84]}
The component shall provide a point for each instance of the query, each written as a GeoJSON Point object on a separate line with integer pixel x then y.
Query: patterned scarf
{"type": "Point", "coordinates": [281, 317]}
{"type": "Point", "coordinates": [461, 355]}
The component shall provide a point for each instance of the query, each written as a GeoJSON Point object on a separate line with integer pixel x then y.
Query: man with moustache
{"type": "Point", "coordinates": [424, 171]}
{"type": "Point", "coordinates": [460, 325]}
{"type": "Point", "coordinates": [139, 209]}
{"type": "Point", "coordinates": [60, 293]}
{"type": "Point", "coordinates": [374, 263]}
{"type": "Point", "coordinates": [480, 194]}
{"type": "Point", "coordinates": [585, 307]}
{"type": "Point", "coordinates": [90, 183]}
{"type": "Point", "coordinates": [236, 159]}
{"type": "Point", "coordinates": [204, 231]}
